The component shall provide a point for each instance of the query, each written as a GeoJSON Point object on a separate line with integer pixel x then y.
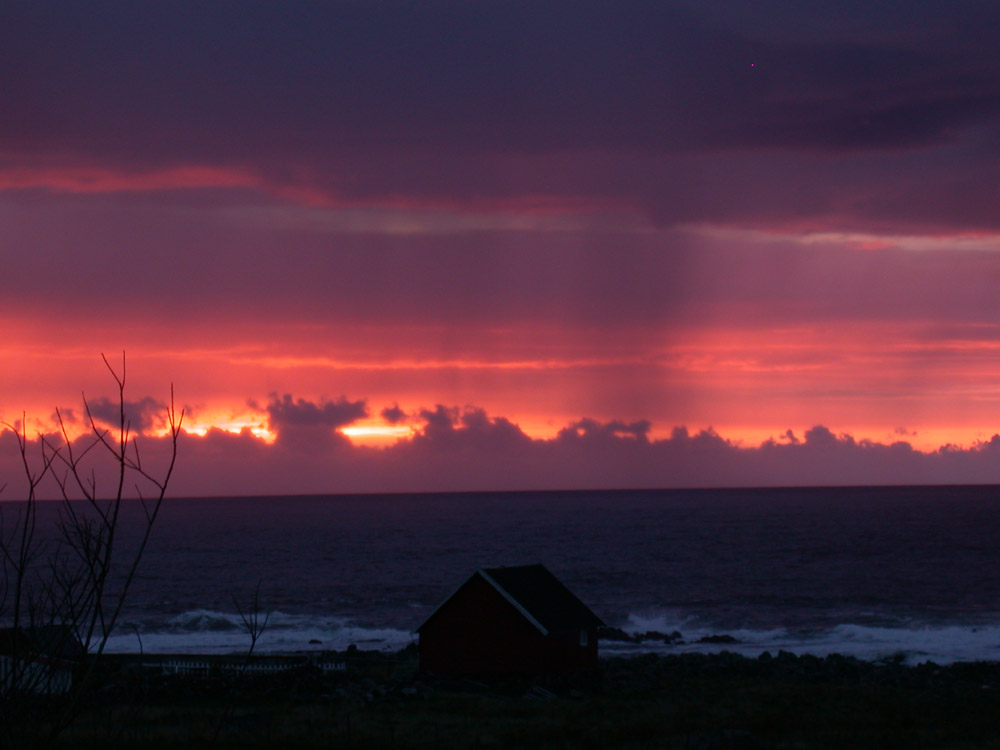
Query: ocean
{"type": "Point", "coordinates": [909, 573]}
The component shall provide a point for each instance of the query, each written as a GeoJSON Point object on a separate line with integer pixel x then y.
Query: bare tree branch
{"type": "Point", "coordinates": [72, 579]}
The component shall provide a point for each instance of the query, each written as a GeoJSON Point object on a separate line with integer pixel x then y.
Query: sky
{"type": "Point", "coordinates": [386, 246]}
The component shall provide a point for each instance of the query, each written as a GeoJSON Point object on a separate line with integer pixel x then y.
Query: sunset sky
{"type": "Point", "coordinates": [503, 244]}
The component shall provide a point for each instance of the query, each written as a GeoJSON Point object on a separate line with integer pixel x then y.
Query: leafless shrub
{"type": "Point", "coordinates": [253, 621]}
{"type": "Point", "coordinates": [62, 590]}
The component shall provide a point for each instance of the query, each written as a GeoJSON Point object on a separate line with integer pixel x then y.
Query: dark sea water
{"type": "Point", "coordinates": [872, 572]}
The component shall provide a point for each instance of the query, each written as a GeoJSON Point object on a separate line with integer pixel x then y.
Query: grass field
{"type": "Point", "coordinates": [683, 701]}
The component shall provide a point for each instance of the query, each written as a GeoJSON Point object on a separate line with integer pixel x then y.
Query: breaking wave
{"type": "Point", "coordinates": [203, 631]}
{"type": "Point", "coordinates": [912, 642]}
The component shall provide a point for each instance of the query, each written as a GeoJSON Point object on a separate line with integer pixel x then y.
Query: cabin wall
{"type": "Point", "coordinates": [567, 651]}
{"type": "Point", "coordinates": [478, 631]}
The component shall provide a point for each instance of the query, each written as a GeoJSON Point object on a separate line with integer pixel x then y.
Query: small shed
{"type": "Point", "coordinates": [38, 659]}
{"type": "Point", "coordinates": [514, 620]}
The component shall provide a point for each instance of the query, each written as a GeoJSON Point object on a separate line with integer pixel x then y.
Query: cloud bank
{"type": "Point", "coordinates": [466, 449]}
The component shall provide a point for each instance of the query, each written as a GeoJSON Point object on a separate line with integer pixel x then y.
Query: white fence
{"type": "Point", "coordinates": [201, 665]}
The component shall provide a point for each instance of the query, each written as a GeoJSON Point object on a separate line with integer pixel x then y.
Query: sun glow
{"type": "Point", "coordinates": [234, 427]}
{"type": "Point", "coordinates": [225, 416]}
{"type": "Point", "coordinates": [376, 434]}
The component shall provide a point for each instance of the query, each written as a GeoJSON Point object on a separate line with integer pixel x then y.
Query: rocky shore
{"type": "Point", "coordinates": [648, 701]}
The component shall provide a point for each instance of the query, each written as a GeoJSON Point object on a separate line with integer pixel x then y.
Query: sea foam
{"type": "Point", "coordinates": [912, 642]}
{"type": "Point", "coordinates": [210, 632]}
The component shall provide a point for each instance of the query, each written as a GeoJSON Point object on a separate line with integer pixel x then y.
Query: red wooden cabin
{"type": "Point", "coordinates": [516, 620]}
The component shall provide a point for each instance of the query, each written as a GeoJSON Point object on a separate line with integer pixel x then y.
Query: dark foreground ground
{"type": "Point", "coordinates": [683, 701]}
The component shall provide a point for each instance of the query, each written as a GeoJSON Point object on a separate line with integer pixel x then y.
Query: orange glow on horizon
{"type": "Point", "coordinates": [922, 382]}
{"type": "Point", "coordinates": [374, 433]}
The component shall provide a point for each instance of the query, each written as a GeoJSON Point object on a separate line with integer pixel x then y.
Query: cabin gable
{"type": "Point", "coordinates": [486, 627]}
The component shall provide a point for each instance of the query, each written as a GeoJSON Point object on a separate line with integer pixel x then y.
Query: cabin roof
{"type": "Point", "coordinates": [49, 640]}
{"type": "Point", "coordinates": [538, 595]}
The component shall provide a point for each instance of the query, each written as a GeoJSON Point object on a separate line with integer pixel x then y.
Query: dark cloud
{"type": "Point", "coordinates": [306, 426]}
{"type": "Point", "coordinates": [821, 437]}
{"type": "Point", "coordinates": [96, 469]}
{"type": "Point", "coordinates": [270, 80]}
{"type": "Point", "coordinates": [393, 414]}
{"type": "Point", "coordinates": [439, 422]}
{"type": "Point", "coordinates": [469, 429]}
{"type": "Point", "coordinates": [462, 450]}
{"type": "Point", "coordinates": [824, 116]}
{"type": "Point", "coordinates": [139, 415]}
{"type": "Point", "coordinates": [285, 412]}
{"type": "Point", "coordinates": [593, 431]}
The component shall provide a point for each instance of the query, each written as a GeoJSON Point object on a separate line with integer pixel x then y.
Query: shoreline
{"type": "Point", "coordinates": [913, 647]}
{"type": "Point", "coordinates": [942, 641]}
